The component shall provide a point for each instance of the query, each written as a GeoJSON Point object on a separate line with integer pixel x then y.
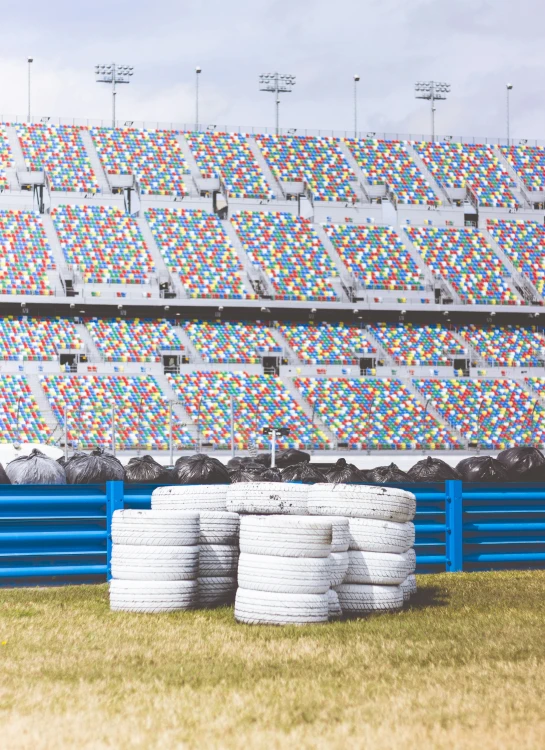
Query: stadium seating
{"type": "Point", "coordinates": [460, 165]}
{"type": "Point", "coordinates": [26, 255]}
{"type": "Point", "coordinates": [154, 157]}
{"type": "Point", "coordinates": [16, 396]}
{"type": "Point", "coordinates": [59, 151]}
{"type": "Point", "coordinates": [494, 413]}
{"type": "Point", "coordinates": [374, 413]}
{"type": "Point", "coordinates": [36, 339]}
{"type": "Point", "coordinates": [104, 244]}
{"type": "Point", "coordinates": [6, 159]}
{"type": "Point", "coordinates": [523, 243]}
{"type": "Point", "coordinates": [123, 340]}
{"type": "Point", "coordinates": [465, 259]}
{"type": "Point", "coordinates": [258, 401]}
{"type": "Point", "coordinates": [229, 157]}
{"type": "Point", "coordinates": [196, 247]}
{"type": "Point", "coordinates": [231, 342]}
{"type": "Point", "coordinates": [528, 162]}
{"type": "Point", "coordinates": [141, 411]}
{"type": "Point", "coordinates": [511, 346]}
{"type": "Point", "coordinates": [289, 251]}
{"type": "Point", "coordinates": [317, 162]}
{"type": "Point", "coordinates": [375, 256]}
{"type": "Point", "coordinates": [418, 345]}
{"type": "Point", "coordinates": [389, 163]}
{"type": "Point", "coordinates": [327, 344]}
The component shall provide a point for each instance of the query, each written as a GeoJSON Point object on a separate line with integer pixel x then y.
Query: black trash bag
{"type": "Point", "coordinates": [145, 470]}
{"type": "Point", "coordinates": [96, 467]}
{"type": "Point", "coordinates": [186, 459]}
{"type": "Point", "coordinates": [391, 474]}
{"type": "Point", "coordinates": [36, 468]}
{"type": "Point", "coordinates": [291, 457]}
{"type": "Point", "coordinates": [303, 472]}
{"type": "Point", "coordinates": [63, 460]}
{"type": "Point", "coordinates": [344, 472]}
{"type": "Point", "coordinates": [264, 458]}
{"type": "Point", "coordinates": [234, 463]}
{"type": "Point", "coordinates": [524, 463]}
{"type": "Point", "coordinates": [202, 469]}
{"type": "Point", "coordinates": [250, 467]}
{"type": "Point", "coordinates": [482, 469]}
{"type": "Point", "coordinates": [4, 479]}
{"type": "Point", "coordinates": [247, 473]}
{"type": "Point", "coordinates": [269, 475]}
{"type": "Point", "coordinates": [432, 470]}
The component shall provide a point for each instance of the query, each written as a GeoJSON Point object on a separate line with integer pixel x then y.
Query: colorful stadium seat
{"type": "Point", "coordinates": [327, 344]}
{"type": "Point", "coordinates": [154, 157]}
{"type": "Point", "coordinates": [317, 162]}
{"type": "Point", "coordinates": [289, 251]}
{"type": "Point", "coordinates": [26, 255]}
{"type": "Point", "coordinates": [523, 242]}
{"type": "Point", "coordinates": [418, 345]}
{"type": "Point", "coordinates": [493, 413]}
{"type": "Point", "coordinates": [196, 247]}
{"type": "Point", "coordinates": [229, 157]}
{"type": "Point", "coordinates": [59, 151]}
{"type": "Point", "coordinates": [141, 411]}
{"type": "Point", "coordinates": [122, 340]}
{"type": "Point", "coordinates": [259, 401]}
{"type": "Point", "coordinates": [36, 339]}
{"type": "Point", "coordinates": [374, 413]}
{"type": "Point", "coordinates": [375, 256]}
{"type": "Point", "coordinates": [465, 259]}
{"type": "Point", "coordinates": [511, 346]}
{"type": "Point", "coordinates": [231, 342]}
{"type": "Point", "coordinates": [528, 162]}
{"type": "Point", "coordinates": [6, 158]}
{"type": "Point", "coordinates": [104, 244]}
{"type": "Point", "coordinates": [389, 163]}
{"type": "Point", "coordinates": [20, 418]}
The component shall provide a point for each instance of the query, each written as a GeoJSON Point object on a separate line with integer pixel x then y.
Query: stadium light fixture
{"type": "Point", "coordinates": [432, 91]}
{"type": "Point", "coordinates": [113, 74]}
{"type": "Point", "coordinates": [508, 88]}
{"type": "Point", "coordinates": [356, 80]}
{"type": "Point", "coordinates": [198, 71]}
{"type": "Point", "coordinates": [277, 83]}
{"type": "Point", "coordinates": [30, 60]}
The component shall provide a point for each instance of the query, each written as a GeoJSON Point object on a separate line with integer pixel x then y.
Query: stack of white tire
{"type": "Point", "coordinates": [381, 561]}
{"type": "Point", "coordinates": [155, 560]}
{"type": "Point", "coordinates": [218, 541]}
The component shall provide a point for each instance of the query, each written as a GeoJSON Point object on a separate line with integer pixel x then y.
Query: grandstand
{"type": "Point", "coordinates": [369, 294]}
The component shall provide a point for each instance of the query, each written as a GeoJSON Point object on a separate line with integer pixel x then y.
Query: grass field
{"type": "Point", "coordinates": [462, 667]}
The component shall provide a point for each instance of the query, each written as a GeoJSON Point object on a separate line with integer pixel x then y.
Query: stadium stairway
{"type": "Point", "coordinates": [16, 149]}
{"type": "Point", "coordinates": [520, 193]}
{"type": "Point", "coordinates": [298, 397]}
{"type": "Point", "coordinates": [408, 383]}
{"type": "Point", "coordinates": [439, 191]}
{"type": "Point", "coordinates": [267, 172]}
{"type": "Point", "coordinates": [189, 348]}
{"type": "Point", "coordinates": [282, 341]}
{"type": "Point", "coordinates": [178, 409]}
{"type": "Point", "coordinates": [441, 281]}
{"type": "Point", "coordinates": [96, 164]}
{"type": "Point", "coordinates": [522, 283]}
{"type": "Point", "coordinates": [345, 279]}
{"type": "Point", "coordinates": [361, 186]}
{"type": "Point", "coordinates": [46, 413]}
{"type": "Point", "coordinates": [189, 179]}
{"type": "Point", "coordinates": [162, 273]}
{"type": "Point", "coordinates": [254, 273]}
{"type": "Point", "coordinates": [62, 267]}
{"type": "Point", "coordinates": [382, 354]}
{"type": "Point", "coordinates": [91, 349]}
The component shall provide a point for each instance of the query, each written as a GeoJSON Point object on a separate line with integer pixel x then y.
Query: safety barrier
{"type": "Point", "coordinates": [54, 535]}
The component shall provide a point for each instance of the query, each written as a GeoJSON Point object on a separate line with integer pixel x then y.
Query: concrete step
{"type": "Point", "coordinates": [177, 406]}
{"type": "Point", "coordinates": [46, 412]}
{"type": "Point", "coordinates": [310, 412]}
{"type": "Point", "coordinates": [55, 245]}
{"type": "Point", "coordinates": [91, 349]}
{"type": "Point", "coordinates": [520, 191]}
{"type": "Point", "coordinates": [519, 279]}
{"type": "Point", "coordinates": [16, 149]}
{"type": "Point", "coordinates": [440, 192]}
{"type": "Point", "coordinates": [160, 265]}
{"type": "Point", "coordinates": [96, 164]}
{"type": "Point", "coordinates": [189, 179]}
{"type": "Point", "coordinates": [432, 411]}
{"type": "Point", "coordinates": [254, 273]}
{"type": "Point", "coordinates": [274, 185]}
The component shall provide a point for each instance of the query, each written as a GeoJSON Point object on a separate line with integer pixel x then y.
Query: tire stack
{"type": "Point", "coordinates": [155, 560]}
{"type": "Point", "coordinates": [381, 536]}
{"type": "Point", "coordinates": [284, 570]}
{"type": "Point", "coordinates": [218, 541]}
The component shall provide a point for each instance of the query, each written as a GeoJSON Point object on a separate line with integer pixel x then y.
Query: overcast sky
{"type": "Point", "coordinates": [475, 45]}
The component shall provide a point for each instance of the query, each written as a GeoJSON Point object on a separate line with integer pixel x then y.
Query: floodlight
{"type": "Point", "coordinates": [432, 91]}
{"type": "Point", "coordinates": [277, 83]}
{"type": "Point", "coordinates": [113, 74]}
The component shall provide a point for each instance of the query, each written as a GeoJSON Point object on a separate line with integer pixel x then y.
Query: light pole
{"type": "Point", "coordinates": [197, 74]}
{"type": "Point", "coordinates": [432, 91]}
{"type": "Point", "coordinates": [508, 87]}
{"type": "Point", "coordinates": [30, 60]}
{"type": "Point", "coordinates": [273, 432]}
{"type": "Point", "coordinates": [356, 79]}
{"type": "Point", "coordinates": [277, 83]}
{"type": "Point", "coordinates": [113, 74]}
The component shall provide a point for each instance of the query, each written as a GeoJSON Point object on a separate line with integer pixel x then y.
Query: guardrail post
{"type": "Point", "coordinates": [453, 517]}
{"type": "Point", "coordinates": [114, 501]}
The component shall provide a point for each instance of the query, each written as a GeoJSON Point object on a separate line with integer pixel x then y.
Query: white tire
{"type": "Point", "coordinates": [267, 608]}
{"type": "Point", "coordinates": [339, 566]}
{"type": "Point", "coordinates": [285, 536]}
{"type": "Point", "coordinates": [155, 527]}
{"type": "Point", "coordinates": [372, 535]}
{"type": "Point", "coordinates": [411, 559]}
{"type": "Point", "coordinates": [377, 568]}
{"type": "Point", "coordinates": [333, 605]}
{"type": "Point", "coordinates": [219, 527]}
{"type": "Point", "coordinates": [360, 600]}
{"type": "Point", "coordinates": [153, 596]}
{"type": "Point", "coordinates": [288, 575]}
{"type": "Point", "coordinates": [408, 587]}
{"type": "Point", "coordinates": [217, 590]}
{"type": "Point", "coordinates": [340, 536]}
{"type": "Point", "coordinates": [361, 501]}
{"type": "Point", "coordinates": [218, 560]}
{"type": "Point", "coordinates": [154, 563]}
{"type": "Point", "coordinates": [260, 498]}
{"type": "Point", "coordinates": [190, 497]}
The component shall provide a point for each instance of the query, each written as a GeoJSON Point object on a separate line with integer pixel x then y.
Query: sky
{"type": "Point", "coordinates": [475, 45]}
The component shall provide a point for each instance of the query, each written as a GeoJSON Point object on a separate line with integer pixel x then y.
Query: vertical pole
{"type": "Point", "coordinates": [232, 429]}
{"type": "Point", "coordinates": [432, 117]}
{"type": "Point", "coordinates": [197, 100]}
{"type": "Point", "coordinates": [277, 97]}
{"type": "Point", "coordinates": [454, 549]}
{"type": "Point", "coordinates": [113, 429]}
{"type": "Point", "coordinates": [113, 95]}
{"type": "Point", "coordinates": [356, 106]}
{"type": "Point", "coordinates": [29, 67]}
{"type": "Point", "coordinates": [170, 435]}
{"type": "Point", "coordinates": [508, 134]}
{"type": "Point", "coordinates": [65, 433]}
{"type": "Point", "coordinates": [114, 501]}
{"type": "Point", "coordinates": [273, 449]}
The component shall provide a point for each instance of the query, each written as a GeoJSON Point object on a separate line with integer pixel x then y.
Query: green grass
{"type": "Point", "coordinates": [462, 667]}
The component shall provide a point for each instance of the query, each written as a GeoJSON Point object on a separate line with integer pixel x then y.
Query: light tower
{"type": "Point", "coordinates": [198, 71]}
{"type": "Point", "coordinates": [508, 87]}
{"type": "Point", "coordinates": [113, 74]}
{"type": "Point", "coordinates": [277, 83]}
{"type": "Point", "coordinates": [433, 91]}
{"type": "Point", "coordinates": [356, 80]}
{"type": "Point", "coordinates": [30, 60]}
